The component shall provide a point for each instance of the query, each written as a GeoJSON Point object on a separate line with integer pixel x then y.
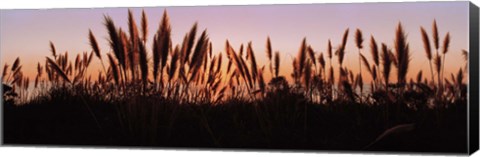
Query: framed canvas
{"type": "Point", "coordinates": [355, 77]}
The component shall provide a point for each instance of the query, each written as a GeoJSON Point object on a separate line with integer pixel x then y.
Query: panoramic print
{"type": "Point", "coordinates": [322, 77]}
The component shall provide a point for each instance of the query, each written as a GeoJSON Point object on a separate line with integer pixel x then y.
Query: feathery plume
{"type": "Point", "coordinates": [124, 43]}
{"type": "Point", "coordinates": [191, 40]}
{"type": "Point", "coordinates": [465, 55]}
{"type": "Point", "coordinates": [199, 54]}
{"type": "Point", "coordinates": [426, 43]}
{"type": "Point", "coordinates": [52, 49]}
{"type": "Point", "coordinates": [114, 39]}
{"type": "Point", "coordinates": [374, 50]}
{"type": "Point", "coordinates": [16, 64]}
{"type": "Point", "coordinates": [358, 38]}
{"type": "Point", "coordinates": [240, 51]}
{"type": "Point", "coordinates": [387, 62]}
{"type": "Point", "coordinates": [428, 50]}
{"type": "Point", "coordinates": [94, 44]}
{"type": "Point", "coordinates": [419, 77]}
{"type": "Point", "coordinates": [277, 63]}
{"type": "Point", "coordinates": [144, 26]}
{"type": "Point", "coordinates": [329, 49]}
{"type": "Point", "coordinates": [162, 45]}
{"type": "Point", "coordinates": [269, 49]}
{"type": "Point", "coordinates": [402, 54]}
{"type": "Point", "coordinates": [311, 54]}
{"type": "Point", "coordinates": [321, 60]}
{"type": "Point", "coordinates": [39, 69]}
{"type": "Point", "coordinates": [446, 43]}
{"type": "Point", "coordinates": [269, 54]}
{"type": "Point", "coordinates": [302, 55]}
{"type": "Point", "coordinates": [253, 62]}
{"type": "Point", "coordinates": [340, 52]}
{"type": "Point", "coordinates": [164, 32]}
{"type": "Point", "coordinates": [344, 39]}
{"type": "Point", "coordinates": [134, 37]}
{"type": "Point", "coordinates": [435, 34]}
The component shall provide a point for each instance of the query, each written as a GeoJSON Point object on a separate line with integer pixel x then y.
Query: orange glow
{"type": "Point", "coordinates": [26, 33]}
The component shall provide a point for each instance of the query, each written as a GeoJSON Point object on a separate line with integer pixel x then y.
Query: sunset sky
{"type": "Point", "coordinates": [26, 33]}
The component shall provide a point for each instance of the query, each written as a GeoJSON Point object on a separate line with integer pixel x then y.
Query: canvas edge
{"type": "Point", "coordinates": [473, 109]}
{"type": "Point", "coordinates": [473, 85]}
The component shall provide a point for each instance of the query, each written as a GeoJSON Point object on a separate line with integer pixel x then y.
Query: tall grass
{"type": "Point", "coordinates": [171, 76]}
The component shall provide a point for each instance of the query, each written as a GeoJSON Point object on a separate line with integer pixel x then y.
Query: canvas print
{"type": "Point", "coordinates": [388, 77]}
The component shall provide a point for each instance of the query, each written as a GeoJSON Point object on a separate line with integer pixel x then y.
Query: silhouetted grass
{"type": "Point", "coordinates": [277, 121]}
{"type": "Point", "coordinates": [184, 97]}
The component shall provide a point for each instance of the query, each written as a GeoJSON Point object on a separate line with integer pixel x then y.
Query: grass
{"type": "Point", "coordinates": [183, 95]}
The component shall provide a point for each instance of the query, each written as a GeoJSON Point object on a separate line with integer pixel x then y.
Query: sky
{"type": "Point", "coordinates": [27, 33]}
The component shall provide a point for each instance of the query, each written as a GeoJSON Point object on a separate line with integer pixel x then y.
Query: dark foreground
{"type": "Point", "coordinates": [277, 122]}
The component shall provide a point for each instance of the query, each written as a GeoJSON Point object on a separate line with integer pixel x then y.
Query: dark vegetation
{"type": "Point", "coordinates": [183, 96]}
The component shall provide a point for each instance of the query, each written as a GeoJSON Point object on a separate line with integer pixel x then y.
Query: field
{"type": "Point", "coordinates": [185, 95]}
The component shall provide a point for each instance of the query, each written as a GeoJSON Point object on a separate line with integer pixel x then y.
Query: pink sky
{"type": "Point", "coordinates": [26, 33]}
